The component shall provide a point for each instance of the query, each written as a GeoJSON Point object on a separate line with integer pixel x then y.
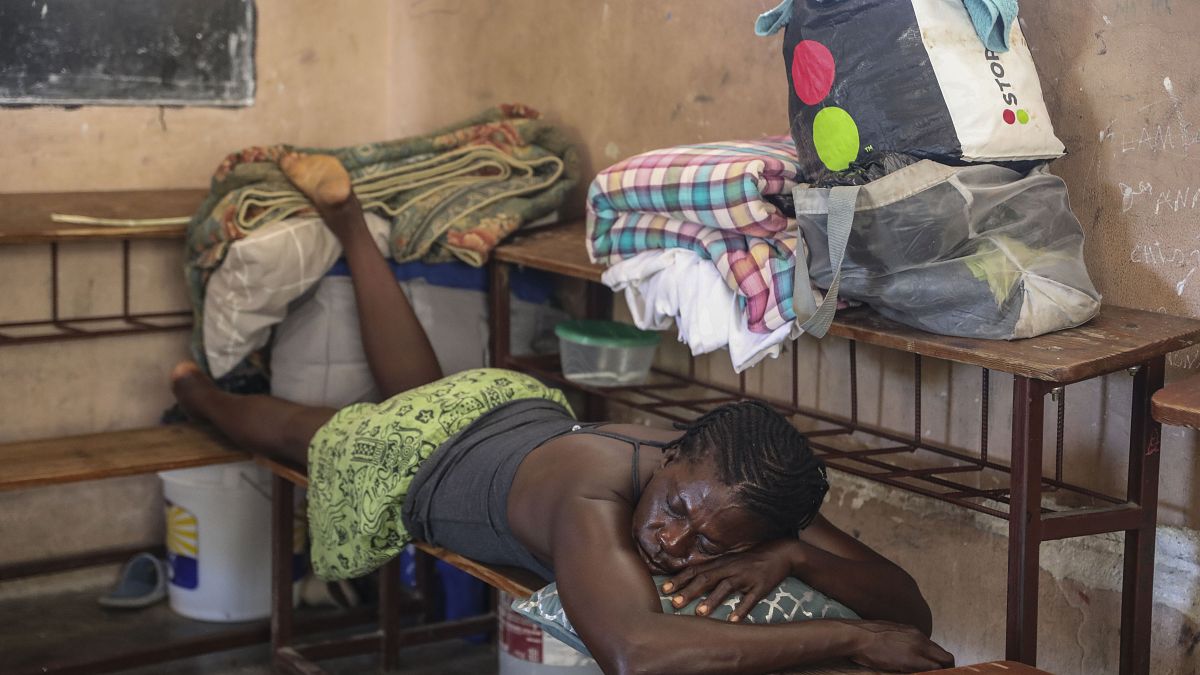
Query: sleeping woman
{"type": "Point", "coordinates": [491, 464]}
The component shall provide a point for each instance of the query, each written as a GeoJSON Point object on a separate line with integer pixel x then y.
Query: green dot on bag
{"type": "Point", "coordinates": [835, 136]}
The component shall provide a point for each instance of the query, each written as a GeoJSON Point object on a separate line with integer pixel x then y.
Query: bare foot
{"type": "Point", "coordinates": [190, 385]}
{"type": "Point", "coordinates": [325, 182]}
{"type": "Point", "coordinates": [321, 178]}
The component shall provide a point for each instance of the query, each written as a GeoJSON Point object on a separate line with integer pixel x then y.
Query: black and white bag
{"type": "Point", "coordinates": [877, 84]}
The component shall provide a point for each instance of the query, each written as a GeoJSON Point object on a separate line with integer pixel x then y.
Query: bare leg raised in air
{"type": "Point", "coordinates": [398, 351]}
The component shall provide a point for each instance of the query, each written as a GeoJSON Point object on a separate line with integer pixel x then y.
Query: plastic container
{"type": "Point", "coordinates": [526, 649]}
{"type": "Point", "coordinates": [219, 541]}
{"type": "Point", "coordinates": [605, 353]}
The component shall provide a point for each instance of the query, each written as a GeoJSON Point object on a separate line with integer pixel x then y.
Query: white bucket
{"type": "Point", "coordinates": [526, 649]}
{"type": "Point", "coordinates": [219, 541]}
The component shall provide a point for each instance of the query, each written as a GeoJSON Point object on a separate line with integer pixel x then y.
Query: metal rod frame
{"type": "Point", "coordinates": [57, 327]}
{"type": "Point", "coordinates": [1030, 521]}
{"type": "Point", "coordinates": [395, 602]}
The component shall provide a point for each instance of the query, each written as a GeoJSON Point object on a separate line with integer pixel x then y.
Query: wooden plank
{"type": "Point", "coordinates": [25, 218]}
{"type": "Point", "coordinates": [559, 249]}
{"type": "Point", "coordinates": [297, 475]}
{"type": "Point", "coordinates": [1178, 403]}
{"type": "Point", "coordinates": [516, 582]}
{"type": "Point", "coordinates": [1119, 338]}
{"type": "Point", "coordinates": [27, 464]}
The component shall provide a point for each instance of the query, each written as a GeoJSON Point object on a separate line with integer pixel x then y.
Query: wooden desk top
{"type": "Point", "coordinates": [1117, 339]}
{"type": "Point", "coordinates": [54, 461]}
{"type": "Point", "coordinates": [557, 248]}
{"type": "Point", "coordinates": [25, 218]}
{"type": "Point", "coordinates": [1178, 403]}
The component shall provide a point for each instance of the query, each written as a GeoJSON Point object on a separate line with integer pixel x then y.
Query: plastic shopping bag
{"type": "Point", "coordinates": [973, 251]}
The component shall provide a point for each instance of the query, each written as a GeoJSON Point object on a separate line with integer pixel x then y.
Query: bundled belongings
{"type": "Point", "coordinates": [450, 195]}
{"type": "Point", "coordinates": [921, 135]}
{"type": "Point", "coordinates": [877, 84]}
{"type": "Point", "coordinates": [975, 251]}
{"type": "Point", "coordinates": [725, 204]}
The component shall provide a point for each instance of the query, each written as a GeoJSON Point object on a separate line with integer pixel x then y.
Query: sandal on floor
{"type": "Point", "coordinates": [142, 583]}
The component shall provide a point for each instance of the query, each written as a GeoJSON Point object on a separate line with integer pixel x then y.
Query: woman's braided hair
{"type": "Point", "coordinates": [761, 455]}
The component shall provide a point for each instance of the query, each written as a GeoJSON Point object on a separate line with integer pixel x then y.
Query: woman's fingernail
{"type": "Point", "coordinates": [667, 587]}
{"type": "Point", "coordinates": [734, 618]}
{"type": "Point", "coordinates": [702, 609]}
{"type": "Point", "coordinates": [678, 600]}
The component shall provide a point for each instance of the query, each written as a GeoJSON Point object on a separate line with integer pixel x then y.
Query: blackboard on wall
{"type": "Point", "coordinates": [127, 52]}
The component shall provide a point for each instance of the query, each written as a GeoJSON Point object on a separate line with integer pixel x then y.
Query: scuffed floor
{"type": "Point", "coordinates": [959, 559]}
{"type": "Point", "coordinates": [69, 626]}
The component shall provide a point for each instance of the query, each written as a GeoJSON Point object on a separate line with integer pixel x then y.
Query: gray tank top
{"type": "Point", "coordinates": [459, 498]}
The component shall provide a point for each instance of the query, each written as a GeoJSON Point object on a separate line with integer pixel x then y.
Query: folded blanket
{"type": "Point", "coordinates": [715, 199]}
{"type": "Point", "coordinates": [452, 194]}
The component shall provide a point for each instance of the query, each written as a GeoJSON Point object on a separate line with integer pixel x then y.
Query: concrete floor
{"type": "Point", "coordinates": [70, 627]}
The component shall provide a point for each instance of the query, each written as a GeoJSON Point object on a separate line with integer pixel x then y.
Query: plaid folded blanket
{"type": "Point", "coordinates": [714, 199]}
{"type": "Point", "coordinates": [452, 194]}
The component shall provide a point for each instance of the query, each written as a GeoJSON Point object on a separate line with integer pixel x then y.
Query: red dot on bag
{"type": "Point", "coordinates": [813, 71]}
{"type": "Point", "coordinates": [1010, 117]}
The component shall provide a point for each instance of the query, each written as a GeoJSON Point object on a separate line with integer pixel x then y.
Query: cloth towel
{"type": "Point", "coordinates": [678, 286]}
{"type": "Point", "coordinates": [715, 199]}
{"type": "Point", "coordinates": [993, 20]}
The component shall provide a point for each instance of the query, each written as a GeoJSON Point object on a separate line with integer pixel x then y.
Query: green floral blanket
{"type": "Point", "coordinates": [451, 194]}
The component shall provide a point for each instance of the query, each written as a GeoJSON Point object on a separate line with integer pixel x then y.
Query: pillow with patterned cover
{"type": "Point", "coordinates": [792, 600]}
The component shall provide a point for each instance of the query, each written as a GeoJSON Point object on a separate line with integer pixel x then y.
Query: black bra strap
{"type": "Point", "coordinates": [637, 444]}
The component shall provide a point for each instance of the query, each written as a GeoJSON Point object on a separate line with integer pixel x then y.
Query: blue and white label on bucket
{"type": "Point", "coordinates": [183, 547]}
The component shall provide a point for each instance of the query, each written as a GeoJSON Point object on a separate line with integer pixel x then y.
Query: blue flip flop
{"type": "Point", "coordinates": [142, 583]}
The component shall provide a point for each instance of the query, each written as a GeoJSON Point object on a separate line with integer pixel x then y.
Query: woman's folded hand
{"type": "Point", "coordinates": [752, 574]}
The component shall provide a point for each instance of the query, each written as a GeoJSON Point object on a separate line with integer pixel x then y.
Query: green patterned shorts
{"type": "Point", "coordinates": [362, 461]}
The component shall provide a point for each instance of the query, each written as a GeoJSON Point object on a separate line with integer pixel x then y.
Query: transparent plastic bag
{"type": "Point", "coordinates": [976, 251]}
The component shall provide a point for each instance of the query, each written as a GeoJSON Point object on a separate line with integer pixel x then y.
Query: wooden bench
{"type": "Point", "coordinates": [25, 219]}
{"type": "Point", "coordinates": [89, 457]}
{"type": "Point", "coordinates": [1178, 404]}
{"type": "Point", "coordinates": [292, 657]}
{"type": "Point", "coordinates": [55, 461]}
{"type": "Point", "coordinates": [1119, 339]}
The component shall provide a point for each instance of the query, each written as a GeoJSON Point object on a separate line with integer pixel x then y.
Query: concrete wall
{"type": "Point", "coordinates": [626, 77]}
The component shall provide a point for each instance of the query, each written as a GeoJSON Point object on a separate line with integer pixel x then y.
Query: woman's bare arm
{"type": "Point", "coordinates": [607, 592]}
{"type": "Point", "coordinates": [826, 558]}
{"type": "Point", "coordinates": [849, 570]}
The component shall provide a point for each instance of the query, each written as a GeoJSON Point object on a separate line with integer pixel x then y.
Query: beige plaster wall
{"type": "Point", "coordinates": [323, 79]}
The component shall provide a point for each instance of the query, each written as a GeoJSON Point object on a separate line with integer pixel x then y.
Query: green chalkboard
{"type": "Point", "coordinates": [127, 52]}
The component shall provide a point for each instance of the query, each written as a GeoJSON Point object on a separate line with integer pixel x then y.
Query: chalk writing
{"type": "Point", "coordinates": [1131, 6]}
{"type": "Point", "coordinates": [1165, 201]}
{"type": "Point", "coordinates": [1154, 255]}
{"type": "Point", "coordinates": [1175, 138]}
{"type": "Point", "coordinates": [1187, 359]}
{"type": "Point", "coordinates": [1129, 194]}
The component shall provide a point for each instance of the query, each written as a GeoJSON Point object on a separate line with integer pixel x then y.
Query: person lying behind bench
{"type": "Point", "coordinates": [491, 464]}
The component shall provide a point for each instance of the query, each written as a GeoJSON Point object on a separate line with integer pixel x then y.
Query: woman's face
{"type": "Point", "coordinates": [686, 516]}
